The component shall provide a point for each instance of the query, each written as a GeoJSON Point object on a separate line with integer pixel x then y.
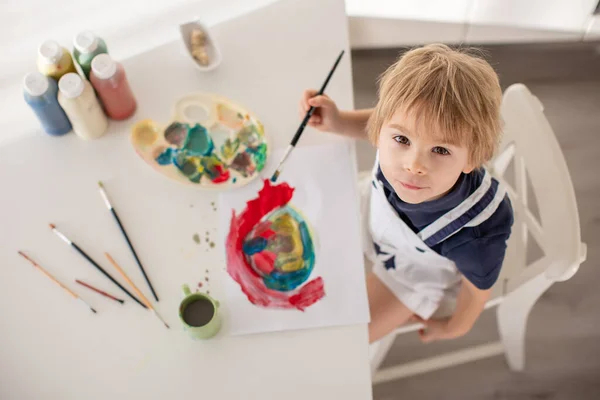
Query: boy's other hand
{"type": "Point", "coordinates": [326, 117]}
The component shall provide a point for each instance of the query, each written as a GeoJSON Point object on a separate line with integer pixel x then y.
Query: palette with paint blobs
{"type": "Point", "coordinates": [211, 143]}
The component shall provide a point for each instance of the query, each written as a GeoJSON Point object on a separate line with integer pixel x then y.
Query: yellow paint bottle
{"type": "Point", "coordinates": [54, 61]}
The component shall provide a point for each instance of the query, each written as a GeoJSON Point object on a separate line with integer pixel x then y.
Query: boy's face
{"type": "Point", "coordinates": [417, 166]}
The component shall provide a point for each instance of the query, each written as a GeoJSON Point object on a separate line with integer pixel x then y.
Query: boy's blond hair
{"type": "Point", "coordinates": [455, 96]}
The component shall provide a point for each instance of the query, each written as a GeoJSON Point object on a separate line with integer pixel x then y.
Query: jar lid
{"type": "Point", "coordinates": [85, 42]}
{"type": "Point", "coordinates": [103, 66]}
{"type": "Point", "coordinates": [71, 85]}
{"type": "Point", "coordinates": [50, 52]}
{"type": "Point", "coordinates": [35, 84]}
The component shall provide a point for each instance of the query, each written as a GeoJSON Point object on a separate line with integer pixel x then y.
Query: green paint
{"type": "Point", "coordinates": [249, 136]}
{"type": "Point", "coordinates": [210, 164]}
{"type": "Point", "coordinates": [229, 148]}
{"type": "Point", "coordinates": [260, 155]}
{"type": "Point", "coordinates": [198, 142]}
{"type": "Point", "coordinates": [196, 238]}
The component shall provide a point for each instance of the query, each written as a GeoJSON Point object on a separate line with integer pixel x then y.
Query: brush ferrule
{"type": "Point", "coordinates": [105, 198]}
{"type": "Point", "coordinates": [285, 156]}
{"type": "Point", "coordinates": [63, 237]}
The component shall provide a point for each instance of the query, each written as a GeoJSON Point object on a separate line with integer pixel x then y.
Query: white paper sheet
{"type": "Point", "coordinates": [326, 194]}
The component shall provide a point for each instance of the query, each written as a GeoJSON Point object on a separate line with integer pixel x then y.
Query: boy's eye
{"type": "Point", "coordinates": [440, 150]}
{"type": "Point", "coordinates": [402, 139]}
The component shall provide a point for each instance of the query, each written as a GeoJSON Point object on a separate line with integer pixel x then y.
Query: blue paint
{"type": "Point", "coordinates": [285, 281]}
{"type": "Point", "coordinates": [45, 104]}
{"type": "Point", "coordinates": [234, 180]}
{"type": "Point", "coordinates": [255, 245]}
{"type": "Point", "coordinates": [165, 157]}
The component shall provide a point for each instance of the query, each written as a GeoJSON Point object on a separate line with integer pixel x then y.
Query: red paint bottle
{"type": "Point", "coordinates": [109, 80]}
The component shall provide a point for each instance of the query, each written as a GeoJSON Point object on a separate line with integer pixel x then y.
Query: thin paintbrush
{"type": "Point", "coordinates": [94, 263]}
{"type": "Point", "coordinates": [114, 213]}
{"type": "Point", "coordinates": [309, 114]}
{"type": "Point", "coordinates": [53, 279]}
{"type": "Point", "coordinates": [103, 293]}
{"type": "Point", "coordinates": [135, 289]}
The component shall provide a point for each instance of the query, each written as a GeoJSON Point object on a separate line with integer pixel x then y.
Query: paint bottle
{"type": "Point", "coordinates": [109, 80]}
{"type": "Point", "coordinates": [86, 46]}
{"type": "Point", "coordinates": [77, 98]}
{"type": "Point", "coordinates": [53, 60]}
{"type": "Point", "coordinates": [40, 94]}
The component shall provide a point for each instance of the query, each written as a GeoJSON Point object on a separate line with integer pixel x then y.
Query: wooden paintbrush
{"type": "Point", "coordinates": [94, 263]}
{"type": "Point", "coordinates": [101, 292]}
{"type": "Point", "coordinates": [135, 289]}
{"type": "Point", "coordinates": [309, 114]}
{"type": "Point", "coordinates": [53, 279]}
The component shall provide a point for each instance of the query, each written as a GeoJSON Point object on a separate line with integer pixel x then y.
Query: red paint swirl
{"type": "Point", "coordinates": [269, 198]}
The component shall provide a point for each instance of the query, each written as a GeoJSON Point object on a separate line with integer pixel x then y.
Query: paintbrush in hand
{"type": "Point", "coordinates": [309, 114]}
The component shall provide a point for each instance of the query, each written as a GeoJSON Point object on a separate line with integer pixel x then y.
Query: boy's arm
{"type": "Point", "coordinates": [469, 305]}
{"type": "Point", "coordinates": [354, 123]}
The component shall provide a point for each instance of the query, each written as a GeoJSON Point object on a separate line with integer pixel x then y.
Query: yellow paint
{"type": "Point", "coordinates": [287, 226]}
{"type": "Point", "coordinates": [144, 133]}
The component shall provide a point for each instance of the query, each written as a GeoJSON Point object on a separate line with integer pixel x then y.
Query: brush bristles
{"type": "Point", "coordinates": [100, 184]}
{"type": "Point", "coordinates": [275, 176]}
{"type": "Point", "coordinates": [52, 226]}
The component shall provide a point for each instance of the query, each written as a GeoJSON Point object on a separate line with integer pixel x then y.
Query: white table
{"type": "Point", "coordinates": [51, 347]}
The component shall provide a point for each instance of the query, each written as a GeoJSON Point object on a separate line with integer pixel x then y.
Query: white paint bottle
{"type": "Point", "coordinates": [76, 96]}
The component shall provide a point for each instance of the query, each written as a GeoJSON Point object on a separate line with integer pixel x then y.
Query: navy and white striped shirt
{"type": "Point", "coordinates": [478, 251]}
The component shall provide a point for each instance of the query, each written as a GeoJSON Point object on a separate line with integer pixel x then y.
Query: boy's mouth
{"type": "Point", "coordinates": [410, 187]}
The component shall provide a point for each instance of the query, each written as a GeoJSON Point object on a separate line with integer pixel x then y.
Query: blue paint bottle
{"type": "Point", "coordinates": [40, 94]}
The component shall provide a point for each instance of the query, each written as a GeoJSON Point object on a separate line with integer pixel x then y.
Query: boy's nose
{"type": "Point", "coordinates": [415, 165]}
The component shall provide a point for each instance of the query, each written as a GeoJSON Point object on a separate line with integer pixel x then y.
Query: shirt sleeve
{"type": "Point", "coordinates": [480, 259]}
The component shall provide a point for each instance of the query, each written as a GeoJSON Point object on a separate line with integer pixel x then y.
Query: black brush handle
{"type": "Point", "coordinates": [95, 264]}
{"type": "Point", "coordinates": [311, 110]}
{"type": "Point", "coordinates": [139, 263]}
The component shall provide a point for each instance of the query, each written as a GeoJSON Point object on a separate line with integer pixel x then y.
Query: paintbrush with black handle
{"type": "Point", "coordinates": [309, 114]}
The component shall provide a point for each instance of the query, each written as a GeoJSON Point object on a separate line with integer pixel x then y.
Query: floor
{"type": "Point", "coordinates": [563, 350]}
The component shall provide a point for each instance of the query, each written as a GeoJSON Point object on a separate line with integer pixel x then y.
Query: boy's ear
{"type": "Point", "coordinates": [469, 168]}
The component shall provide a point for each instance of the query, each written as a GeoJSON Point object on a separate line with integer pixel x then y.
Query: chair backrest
{"type": "Point", "coordinates": [531, 165]}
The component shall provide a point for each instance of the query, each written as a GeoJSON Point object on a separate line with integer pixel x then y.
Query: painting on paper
{"type": "Point", "coordinates": [271, 251]}
{"type": "Point", "coordinates": [293, 248]}
{"type": "Point", "coordinates": [211, 143]}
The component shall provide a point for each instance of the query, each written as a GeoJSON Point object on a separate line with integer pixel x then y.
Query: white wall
{"type": "Point", "coordinates": [391, 23]}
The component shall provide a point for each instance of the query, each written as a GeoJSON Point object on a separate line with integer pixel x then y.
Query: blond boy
{"type": "Point", "coordinates": [437, 221]}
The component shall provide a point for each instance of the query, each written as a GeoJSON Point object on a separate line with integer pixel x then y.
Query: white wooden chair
{"type": "Point", "coordinates": [530, 146]}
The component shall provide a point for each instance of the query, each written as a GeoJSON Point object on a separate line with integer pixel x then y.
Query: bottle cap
{"type": "Point", "coordinates": [85, 42]}
{"type": "Point", "coordinates": [35, 84]}
{"type": "Point", "coordinates": [71, 85]}
{"type": "Point", "coordinates": [50, 52]}
{"type": "Point", "coordinates": [103, 66]}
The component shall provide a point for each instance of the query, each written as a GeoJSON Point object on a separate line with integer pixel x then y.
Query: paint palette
{"type": "Point", "coordinates": [211, 143]}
